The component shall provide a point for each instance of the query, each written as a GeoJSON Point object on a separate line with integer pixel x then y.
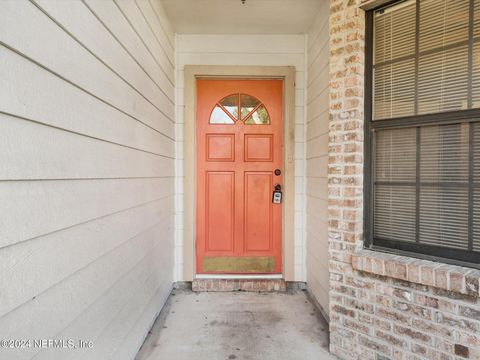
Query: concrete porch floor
{"type": "Point", "coordinates": [237, 325]}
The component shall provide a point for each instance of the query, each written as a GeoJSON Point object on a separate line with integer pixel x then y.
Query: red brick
{"type": "Point", "coordinates": [457, 281]}
{"type": "Point", "coordinates": [392, 339]}
{"type": "Point", "coordinates": [472, 282]}
{"type": "Point", "coordinates": [441, 277]}
{"type": "Point", "coordinates": [427, 275]}
{"type": "Point", "coordinates": [414, 272]}
{"type": "Point", "coordinates": [413, 334]}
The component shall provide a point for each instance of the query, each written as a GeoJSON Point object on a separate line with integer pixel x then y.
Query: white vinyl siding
{"type": "Point", "coordinates": [317, 157]}
{"type": "Point", "coordinates": [87, 175]}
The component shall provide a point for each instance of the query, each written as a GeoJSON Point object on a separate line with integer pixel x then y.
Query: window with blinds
{"type": "Point", "coordinates": [426, 58]}
{"type": "Point", "coordinates": [423, 128]}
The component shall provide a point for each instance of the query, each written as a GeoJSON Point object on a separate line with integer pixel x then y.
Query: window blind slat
{"type": "Point", "coordinates": [476, 153]}
{"type": "Point", "coordinates": [395, 33]}
{"type": "Point", "coordinates": [444, 153]}
{"type": "Point", "coordinates": [443, 81]}
{"type": "Point", "coordinates": [443, 210]}
{"type": "Point", "coordinates": [476, 220]}
{"type": "Point", "coordinates": [476, 19]}
{"type": "Point", "coordinates": [444, 217]}
{"type": "Point", "coordinates": [396, 155]}
{"type": "Point", "coordinates": [443, 23]}
{"type": "Point", "coordinates": [395, 204]}
{"type": "Point", "coordinates": [442, 73]}
{"type": "Point", "coordinates": [476, 192]}
{"type": "Point", "coordinates": [395, 213]}
{"type": "Point", "coordinates": [393, 95]}
{"type": "Point", "coordinates": [476, 75]}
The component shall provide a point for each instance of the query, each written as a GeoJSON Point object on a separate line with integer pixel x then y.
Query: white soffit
{"type": "Point", "coordinates": [233, 17]}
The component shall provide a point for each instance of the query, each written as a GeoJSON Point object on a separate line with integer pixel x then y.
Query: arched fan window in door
{"type": "Point", "coordinates": [240, 107]}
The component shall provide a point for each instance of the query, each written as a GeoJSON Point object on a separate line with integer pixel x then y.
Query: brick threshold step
{"type": "Point", "coordinates": [252, 285]}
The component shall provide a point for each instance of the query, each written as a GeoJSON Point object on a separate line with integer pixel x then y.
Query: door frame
{"type": "Point", "coordinates": [191, 74]}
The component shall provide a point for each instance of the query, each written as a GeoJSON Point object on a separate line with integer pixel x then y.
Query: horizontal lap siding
{"type": "Point", "coordinates": [317, 157]}
{"type": "Point", "coordinates": [247, 50]}
{"type": "Point", "coordinates": [87, 173]}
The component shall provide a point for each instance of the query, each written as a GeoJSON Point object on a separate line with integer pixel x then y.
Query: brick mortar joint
{"type": "Point", "coordinates": [452, 278]}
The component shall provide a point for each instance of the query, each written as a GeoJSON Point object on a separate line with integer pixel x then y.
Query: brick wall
{"type": "Point", "coordinates": [382, 306]}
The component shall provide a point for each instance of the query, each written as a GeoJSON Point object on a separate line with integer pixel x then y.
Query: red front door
{"type": "Point", "coordinates": [239, 163]}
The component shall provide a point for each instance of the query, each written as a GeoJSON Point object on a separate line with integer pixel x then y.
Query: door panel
{"type": "Point", "coordinates": [220, 147]}
{"type": "Point", "coordinates": [258, 147]}
{"type": "Point", "coordinates": [220, 211]}
{"type": "Point", "coordinates": [258, 211]}
{"type": "Point", "coordinates": [238, 147]}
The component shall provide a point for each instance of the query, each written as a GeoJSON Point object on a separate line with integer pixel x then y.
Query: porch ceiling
{"type": "Point", "coordinates": [233, 17]}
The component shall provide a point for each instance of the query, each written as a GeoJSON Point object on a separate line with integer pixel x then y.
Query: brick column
{"type": "Point", "coordinates": [345, 166]}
